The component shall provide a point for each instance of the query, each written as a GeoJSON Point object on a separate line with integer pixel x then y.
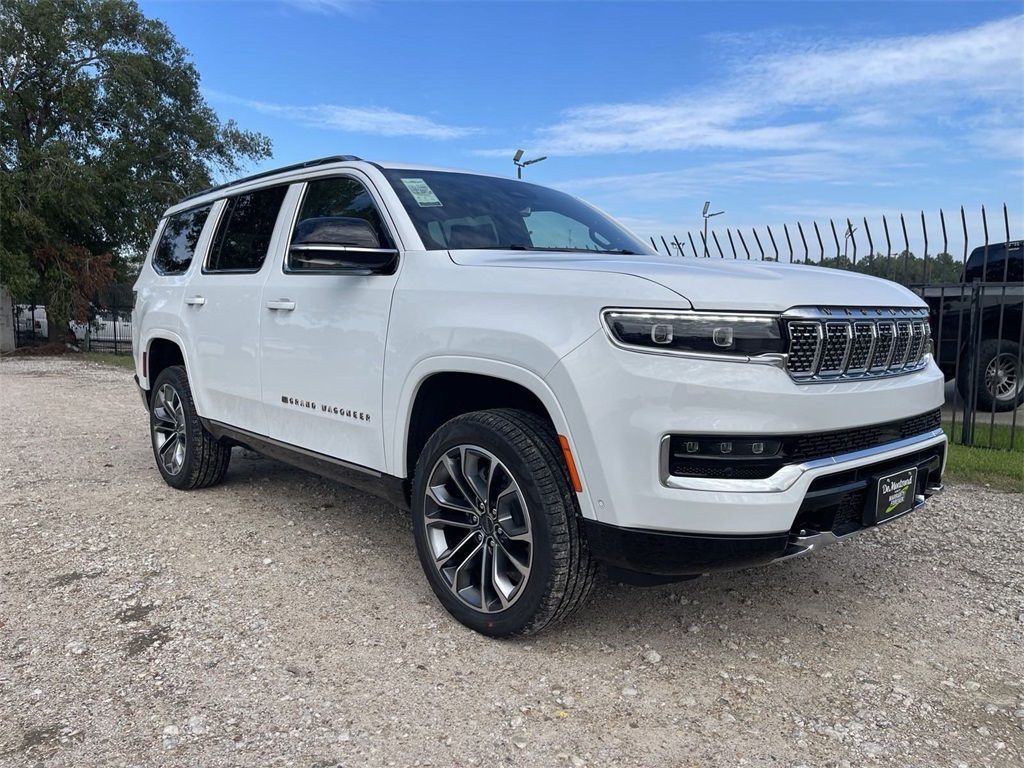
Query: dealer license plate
{"type": "Point", "coordinates": [895, 494]}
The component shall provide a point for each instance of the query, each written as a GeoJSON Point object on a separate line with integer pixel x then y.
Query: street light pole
{"type": "Point", "coordinates": [850, 229]}
{"type": "Point", "coordinates": [517, 158]}
{"type": "Point", "coordinates": [707, 216]}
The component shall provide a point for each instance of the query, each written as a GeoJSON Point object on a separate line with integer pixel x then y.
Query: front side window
{"type": "Point", "coordinates": [462, 211]}
{"type": "Point", "coordinates": [244, 232]}
{"type": "Point", "coordinates": [177, 244]}
{"type": "Point", "coordinates": [335, 200]}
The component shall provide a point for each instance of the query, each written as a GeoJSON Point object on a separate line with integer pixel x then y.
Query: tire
{"type": "Point", "coordinates": [999, 379]}
{"type": "Point", "coordinates": [186, 454]}
{"type": "Point", "coordinates": [514, 455]}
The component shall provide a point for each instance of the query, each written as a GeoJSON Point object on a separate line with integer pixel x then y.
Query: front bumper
{"type": "Point", "coordinates": [621, 404]}
{"type": "Point", "coordinates": [836, 506]}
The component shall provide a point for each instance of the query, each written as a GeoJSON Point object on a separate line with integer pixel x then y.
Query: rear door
{"type": "Point", "coordinates": [323, 336]}
{"type": "Point", "coordinates": [222, 311]}
{"type": "Point", "coordinates": [165, 276]}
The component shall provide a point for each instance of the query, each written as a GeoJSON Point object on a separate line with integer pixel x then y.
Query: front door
{"type": "Point", "coordinates": [323, 338]}
{"type": "Point", "coordinates": [222, 310]}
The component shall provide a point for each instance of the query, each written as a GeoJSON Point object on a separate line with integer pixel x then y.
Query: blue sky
{"type": "Point", "coordinates": [776, 112]}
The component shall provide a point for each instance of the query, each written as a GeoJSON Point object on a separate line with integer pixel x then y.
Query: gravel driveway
{"type": "Point", "coordinates": [282, 620]}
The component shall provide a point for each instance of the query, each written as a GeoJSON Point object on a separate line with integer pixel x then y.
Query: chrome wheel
{"type": "Point", "coordinates": [169, 432]}
{"type": "Point", "coordinates": [1002, 377]}
{"type": "Point", "coordinates": [478, 528]}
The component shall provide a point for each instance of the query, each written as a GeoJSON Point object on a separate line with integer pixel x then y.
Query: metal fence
{"type": "Point", "coordinates": [975, 312]}
{"type": "Point", "coordinates": [108, 328]}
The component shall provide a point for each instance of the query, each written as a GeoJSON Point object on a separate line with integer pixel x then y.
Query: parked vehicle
{"type": "Point", "coordinates": [534, 383]}
{"type": "Point", "coordinates": [30, 320]}
{"type": "Point", "coordinates": [107, 328]}
{"type": "Point", "coordinates": [978, 329]}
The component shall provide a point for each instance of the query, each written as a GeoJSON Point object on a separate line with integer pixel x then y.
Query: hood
{"type": "Point", "coordinates": [719, 283]}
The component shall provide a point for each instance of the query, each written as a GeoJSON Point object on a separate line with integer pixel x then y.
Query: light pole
{"type": "Point", "coordinates": [707, 216]}
{"type": "Point", "coordinates": [517, 158]}
{"type": "Point", "coordinates": [850, 229]}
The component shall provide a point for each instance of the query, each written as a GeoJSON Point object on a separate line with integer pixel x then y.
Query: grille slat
{"type": "Point", "coordinates": [863, 345]}
{"type": "Point", "coordinates": [838, 343]}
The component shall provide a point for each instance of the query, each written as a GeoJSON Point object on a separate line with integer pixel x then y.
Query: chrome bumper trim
{"type": "Point", "coordinates": [784, 479]}
{"type": "Point", "coordinates": [801, 545]}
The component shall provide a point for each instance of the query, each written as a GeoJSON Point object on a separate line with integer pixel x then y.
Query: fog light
{"type": "Point", "coordinates": [733, 448]}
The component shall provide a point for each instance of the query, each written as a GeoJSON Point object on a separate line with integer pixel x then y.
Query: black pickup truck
{"type": "Point", "coordinates": [976, 326]}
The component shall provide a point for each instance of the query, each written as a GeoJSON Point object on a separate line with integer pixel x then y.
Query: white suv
{"type": "Point", "coordinates": [541, 389]}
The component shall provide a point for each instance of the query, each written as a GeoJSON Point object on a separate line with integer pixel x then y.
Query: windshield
{"type": "Point", "coordinates": [463, 211]}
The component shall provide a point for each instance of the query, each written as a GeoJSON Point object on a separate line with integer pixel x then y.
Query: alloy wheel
{"type": "Point", "coordinates": [1002, 378]}
{"type": "Point", "coordinates": [169, 430]}
{"type": "Point", "coordinates": [478, 528]}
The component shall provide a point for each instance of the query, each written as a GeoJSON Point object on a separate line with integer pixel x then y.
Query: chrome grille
{"type": "Point", "coordinates": [828, 343]}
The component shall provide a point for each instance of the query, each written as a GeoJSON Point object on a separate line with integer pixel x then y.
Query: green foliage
{"type": "Point", "coordinates": [996, 458]}
{"type": "Point", "coordinates": [102, 127]}
{"type": "Point", "coordinates": [905, 267]}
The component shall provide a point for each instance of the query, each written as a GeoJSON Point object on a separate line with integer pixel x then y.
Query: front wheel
{"type": "Point", "coordinates": [186, 454]}
{"type": "Point", "coordinates": [999, 378]}
{"type": "Point", "coordinates": [496, 525]}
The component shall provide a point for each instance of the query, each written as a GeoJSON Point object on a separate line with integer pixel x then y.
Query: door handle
{"type": "Point", "coordinates": [195, 300]}
{"type": "Point", "coordinates": [283, 305]}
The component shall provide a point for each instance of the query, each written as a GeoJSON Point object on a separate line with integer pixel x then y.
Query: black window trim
{"type": "Point", "coordinates": [160, 236]}
{"type": "Point", "coordinates": [225, 201]}
{"type": "Point", "coordinates": [382, 211]}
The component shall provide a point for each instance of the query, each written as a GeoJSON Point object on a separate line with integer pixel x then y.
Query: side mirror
{"type": "Point", "coordinates": [339, 244]}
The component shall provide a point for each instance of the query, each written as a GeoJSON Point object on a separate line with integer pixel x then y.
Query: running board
{"type": "Point", "coordinates": [371, 481]}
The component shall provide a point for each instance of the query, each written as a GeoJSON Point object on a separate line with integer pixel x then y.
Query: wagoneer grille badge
{"type": "Point", "coordinates": [826, 344]}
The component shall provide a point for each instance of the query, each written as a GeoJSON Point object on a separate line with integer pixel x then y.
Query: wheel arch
{"type": "Point", "coordinates": [476, 384]}
{"type": "Point", "coordinates": [162, 350]}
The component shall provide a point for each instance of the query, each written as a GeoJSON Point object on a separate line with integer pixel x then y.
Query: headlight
{"type": "Point", "coordinates": [702, 333]}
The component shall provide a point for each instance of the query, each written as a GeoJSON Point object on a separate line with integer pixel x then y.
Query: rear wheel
{"type": "Point", "coordinates": [497, 526]}
{"type": "Point", "coordinates": [186, 454]}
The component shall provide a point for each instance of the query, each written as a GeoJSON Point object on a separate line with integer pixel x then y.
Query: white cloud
{"type": "Point", "coordinates": [380, 121]}
{"type": "Point", "coordinates": [346, 7]}
{"type": "Point", "coordinates": [840, 97]}
{"type": "Point", "coordinates": [817, 167]}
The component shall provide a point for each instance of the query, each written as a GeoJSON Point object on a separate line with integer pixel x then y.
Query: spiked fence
{"type": "Point", "coordinates": [977, 328]}
{"type": "Point", "coordinates": [814, 244]}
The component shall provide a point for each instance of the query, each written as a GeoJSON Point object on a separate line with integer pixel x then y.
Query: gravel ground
{"type": "Point", "coordinates": [282, 620]}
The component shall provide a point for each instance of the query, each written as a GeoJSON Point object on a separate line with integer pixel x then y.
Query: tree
{"type": "Point", "coordinates": [903, 267]}
{"type": "Point", "coordinates": [102, 127]}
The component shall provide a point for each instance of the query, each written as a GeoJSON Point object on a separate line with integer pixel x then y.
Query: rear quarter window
{"type": "Point", "coordinates": [177, 244]}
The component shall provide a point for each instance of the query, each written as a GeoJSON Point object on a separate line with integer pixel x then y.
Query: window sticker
{"type": "Point", "coordinates": [422, 193]}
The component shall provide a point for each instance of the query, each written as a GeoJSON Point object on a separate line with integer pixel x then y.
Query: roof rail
{"type": "Point", "coordinates": [272, 172]}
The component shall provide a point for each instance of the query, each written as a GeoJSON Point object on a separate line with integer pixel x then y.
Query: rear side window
{"type": "Point", "coordinates": [178, 241]}
{"type": "Point", "coordinates": [244, 231]}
